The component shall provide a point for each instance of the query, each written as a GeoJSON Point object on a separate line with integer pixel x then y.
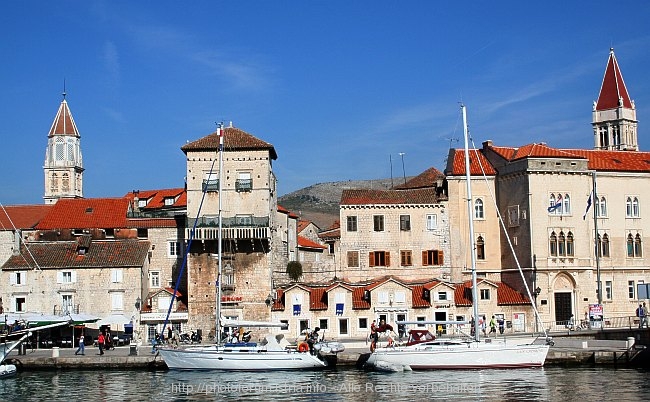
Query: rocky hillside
{"type": "Point", "coordinates": [319, 203]}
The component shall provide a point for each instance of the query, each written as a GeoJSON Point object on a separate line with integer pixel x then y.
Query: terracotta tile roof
{"type": "Point", "coordinates": [156, 198]}
{"type": "Point", "coordinates": [613, 87]}
{"type": "Point", "coordinates": [318, 299]}
{"type": "Point", "coordinates": [70, 213]}
{"type": "Point", "coordinates": [234, 139]}
{"type": "Point", "coordinates": [600, 160]}
{"type": "Point", "coordinates": [333, 232]}
{"type": "Point", "coordinates": [506, 295]}
{"type": "Point", "coordinates": [22, 216]}
{"type": "Point", "coordinates": [64, 254]}
{"type": "Point", "coordinates": [282, 209]}
{"type": "Point", "coordinates": [417, 294]}
{"type": "Point", "coordinates": [304, 242]}
{"type": "Point", "coordinates": [393, 197]}
{"type": "Point", "coordinates": [541, 151]}
{"type": "Point", "coordinates": [302, 224]}
{"type": "Point", "coordinates": [63, 123]}
{"type": "Point", "coordinates": [358, 303]}
{"type": "Point", "coordinates": [456, 163]}
{"type": "Point", "coordinates": [428, 178]}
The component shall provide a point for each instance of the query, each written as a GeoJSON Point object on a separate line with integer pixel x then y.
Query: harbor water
{"type": "Point", "coordinates": [346, 384]}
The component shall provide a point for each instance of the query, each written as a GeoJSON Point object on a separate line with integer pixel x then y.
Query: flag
{"type": "Point", "coordinates": [556, 205]}
{"type": "Point", "coordinates": [588, 205]}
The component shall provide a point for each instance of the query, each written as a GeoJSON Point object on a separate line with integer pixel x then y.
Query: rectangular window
{"type": "Point", "coordinates": [363, 323]}
{"type": "Point", "coordinates": [352, 223]}
{"type": "Point", "coordinates": [432, 222]}
{"type": "Point", "coordinates": [117, 301]}
{"type": "Point", "coordinates": [109, 233]}
{"type": "Point", "coordinates": [378, 223]}
{"type": "Point", "coordinates": [432, 257]}
{"type": "Point", "coordinates": [169, 201]}
{"type": "Point", "coordinates": [353, 258]}
{"type": "Point", "coordinates": [405, 222]}
{"type": "Point", "coordinates": [66, 277]}
{"type": "Point", "coordinates": [163, 302]}
{"type": "Point", "coordinates": [421, 319]}
{"type": "Point", "coordinates": [18, 278]}
{"type": "Point", "coordinates": [343, 326]}
{"type": "Point", "coordinates": [485, 294]}
{"type": "Point", "coordinates": [154, 279]}
{"type": "Point", "coordinates": [400, 297]}
{"type": "Point", "coordinates": [382, 298]}
{"type": "Point", "coordinates": [322, 323]}
{"type": "Point", "coordinates": [244, 182]}
{"type": "Point", "coordinates": [210, 182]}
{"type": "Point", "coordinates": [379, 259]}
{"type": "Point", "coordinates": [116, 275]}
{"type": "Point", "coordinates": [66, 304]}
{"type": "Point", "coordinates": [143, 233]}
{"type": "Point", "coordinates": [442, 296]}
{"type": "Point", "coordinates": [630, 289]}
{"type": "Point", "coordinates": [608, 290]}
{"type": "Point", "coordinates": [20, 303]}
{"type": "Point", "coordinates": [406, 258]}
{"type": "Point", "coordinates": [173, 248]}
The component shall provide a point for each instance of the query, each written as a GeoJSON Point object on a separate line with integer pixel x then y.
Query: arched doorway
{"type": "Point", "coordinates": [563, 291]}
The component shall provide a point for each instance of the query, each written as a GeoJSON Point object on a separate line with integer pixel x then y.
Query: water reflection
{"type": "Point", "coordinates": [339, 385]}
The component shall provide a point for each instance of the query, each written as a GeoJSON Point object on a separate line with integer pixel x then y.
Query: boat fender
{"type": "Point", "coordinates": [303, 347]}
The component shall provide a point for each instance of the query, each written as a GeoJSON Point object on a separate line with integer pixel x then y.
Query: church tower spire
{"type": "Point", "coordinates": [614, 113]}
{"type": "Point", "coordinates": [63, 164]}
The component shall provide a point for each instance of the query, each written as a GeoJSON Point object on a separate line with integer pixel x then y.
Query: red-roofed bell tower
{"type": "Point", "coordinates": [614, 113]}
{"type": "Point", "coordinates": [63, 164]}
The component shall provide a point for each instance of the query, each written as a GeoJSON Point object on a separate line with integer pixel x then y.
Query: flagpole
{"type": "Point", "coordinates": [599, 292]}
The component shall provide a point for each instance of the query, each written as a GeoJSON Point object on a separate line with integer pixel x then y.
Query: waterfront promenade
{"type": "Point", "coordinates": [570, 348]}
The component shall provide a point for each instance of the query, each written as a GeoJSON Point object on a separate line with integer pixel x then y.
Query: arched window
{"type": "Point", "coordinates": [628, 207]}
{"type": "Point", "coordinates": [478, 209]}
{"type": "Point", "coordinates": [637, 246]}
{"type": "Point", "coordinates": [569, 244]}
{"type": "Point", "coordinates": [635, 207]}
{"type": "Point", "coordinates": [555, 204]}
{"type": "Point", "coordinates": [480, 248]}
{"type": "Point", "coordinates": [630, 246]}
{"type": "Point", "coordinates": [561, 245]}
{"type": "Point", "coordinates": [65, 183]}
{"type": "Point", "coordinates": [566, 206]}
{"type": "Point", "coordinates": [54, 183]}
{"type": "Point", "coordinates": [552, 244]}
{"type": "Point", "coordinates": [602, 211]}
{"type": "Point", "coordinates": [605, 246]}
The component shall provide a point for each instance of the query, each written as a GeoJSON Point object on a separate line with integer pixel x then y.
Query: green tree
{"type": "Point", "coordinates": [294, 270]}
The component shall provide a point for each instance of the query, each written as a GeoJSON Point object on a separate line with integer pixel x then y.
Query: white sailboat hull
{"type": "Point", "coordinates": [213, 358]}
{"type": "Point", "coordinates": [7, 370]}
{"type": "Point", "coordinates": [462, 355]}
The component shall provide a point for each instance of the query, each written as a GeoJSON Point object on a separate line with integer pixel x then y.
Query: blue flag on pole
{"type": "Point", "coordinates": [588, 206]}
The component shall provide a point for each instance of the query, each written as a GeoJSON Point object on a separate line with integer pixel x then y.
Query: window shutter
{"type": "Point", "coordinates": [440, 258]}
{"type": "Point", "coordinates": [73, 276]}
{"type": "Point", "coordinates": [59, 277]}
{"type": "Point", "coordinates": [388, 258]}
{"type": "Point", "coordinates": [13, 278]}
{"type": "Point", "coordinates": [371, 259]}
{"type": "Point", "coordinates": [424, 258]}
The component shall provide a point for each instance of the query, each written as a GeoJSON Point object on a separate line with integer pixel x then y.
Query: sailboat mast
{"type": "Point", "coordinates": [219, 236]}
{"type": "Point", "coordinates": [596, 204]}
{"type": "Point", "coordinates": [470, 218]}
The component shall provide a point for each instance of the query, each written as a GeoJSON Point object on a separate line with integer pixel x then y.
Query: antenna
{"type": "Point", "coordinates": [64, 94]}
{"type": "Point", "coordinates": [403, 170]}
{"type": "Point", "coordinates": [390, 157]}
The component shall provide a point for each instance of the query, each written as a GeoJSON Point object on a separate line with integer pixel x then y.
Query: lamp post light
{"type": "Point", "coordinates": [403, 170]}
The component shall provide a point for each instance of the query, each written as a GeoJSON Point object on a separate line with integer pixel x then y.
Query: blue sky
{"type": "Point", "coordinates": [338, 87]}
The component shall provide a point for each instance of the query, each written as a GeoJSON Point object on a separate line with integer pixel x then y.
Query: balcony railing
{"type": "Point", "coordinates": [66, 309]}
{"type": "Point", "coordinates": [244, 185]}
{"type": "Point", "coordinates": [210, 185]}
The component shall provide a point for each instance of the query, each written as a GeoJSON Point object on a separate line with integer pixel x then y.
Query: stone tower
{"type": "Point", "coordinates": [614, 113]}
{"type": "Point", "coordinates": [63, 164]}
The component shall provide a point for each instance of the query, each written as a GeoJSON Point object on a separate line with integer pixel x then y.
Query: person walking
{"type": "Point", "coordinates": [493, 326]}
{"type": "Point", "coordinates": [82, 347]}
{"type": "Point", "coordinates": [100, 343]}
{"type": "Point", "coordinates": [644, 316]}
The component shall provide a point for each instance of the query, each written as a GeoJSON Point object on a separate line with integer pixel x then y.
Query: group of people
{"type": "Point", "coordinates": [495, 322]}
{"type": "Point", "coordinates": [642, 313]}
{"type": "Point", "coordinates": [375, 330]}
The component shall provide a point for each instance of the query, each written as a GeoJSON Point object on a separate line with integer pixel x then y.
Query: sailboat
{"type": "Point", "coordinates": [273, 353]}
{"type": "Point", "coordinates": [460, 353]}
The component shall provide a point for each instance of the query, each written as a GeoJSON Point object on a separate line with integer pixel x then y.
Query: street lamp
{"type": "Point", "coordinates": [403, 170]}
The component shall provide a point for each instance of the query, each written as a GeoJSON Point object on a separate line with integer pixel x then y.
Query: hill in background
{"type": "Point", "coordinates": [319, 203]}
